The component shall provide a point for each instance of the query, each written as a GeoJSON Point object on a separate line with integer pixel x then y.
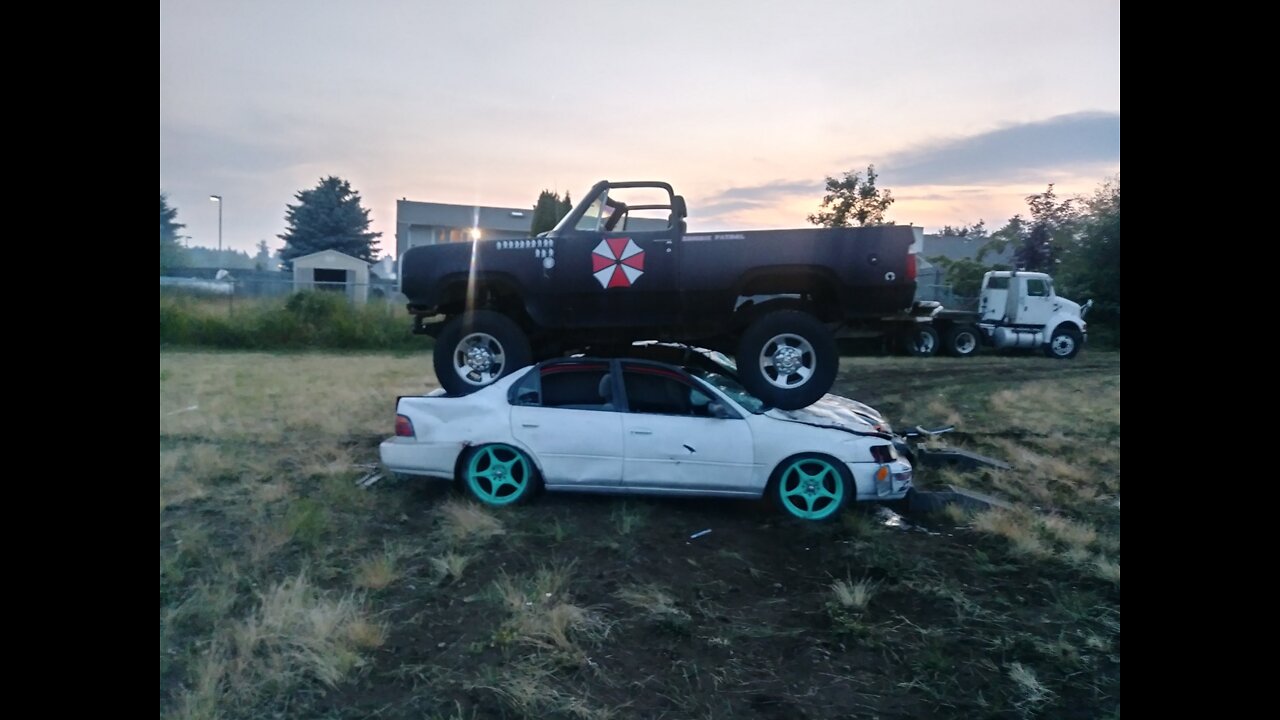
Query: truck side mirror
{"type": "Point", "coordinates": [678, 208]}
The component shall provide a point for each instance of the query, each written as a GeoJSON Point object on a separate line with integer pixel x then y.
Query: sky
{"type": "Point", "coordinates": [964, 108]}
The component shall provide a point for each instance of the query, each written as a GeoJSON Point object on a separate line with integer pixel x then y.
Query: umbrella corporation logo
{"type": "Point", "coordinates": [617, 262]}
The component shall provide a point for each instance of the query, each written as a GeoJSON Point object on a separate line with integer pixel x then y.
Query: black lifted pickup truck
{"type": "Point", "coordinates": [620, 268]}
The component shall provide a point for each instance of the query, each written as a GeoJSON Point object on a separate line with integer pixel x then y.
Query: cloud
{"type": "Point", "coordinates": [766, 195]}
{"type": "Point", "coordinates": [1014, 153]}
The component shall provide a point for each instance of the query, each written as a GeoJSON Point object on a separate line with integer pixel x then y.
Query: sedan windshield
{"type": "Point", "coordinates": [729, 385]}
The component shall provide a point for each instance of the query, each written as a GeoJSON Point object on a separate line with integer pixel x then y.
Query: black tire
{"type": "Point", "coordinates": [781, 341]}
{"type": "Point", "coordinates": [470, 340]}
{"type": "Point", "coordinates": [1065, 342]}
{"type": "Point", "coordinates": [920, 340]}
{"type": "Point", "coordinates": [811, 487]}
{"type": "Point", "coordinates": [961, 341]}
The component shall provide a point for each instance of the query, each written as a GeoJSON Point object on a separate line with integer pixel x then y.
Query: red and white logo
{"type": "Point", "coordinates": [617, 262]}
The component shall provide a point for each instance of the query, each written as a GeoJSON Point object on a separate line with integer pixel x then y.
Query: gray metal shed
{"type": "Point", "coordinates": [330, 270]}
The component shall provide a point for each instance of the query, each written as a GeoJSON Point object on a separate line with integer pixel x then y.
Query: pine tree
{"type": "Point", "coordinates": [170, 240]}
{"type": "Point", "coordinates": [329, 217]}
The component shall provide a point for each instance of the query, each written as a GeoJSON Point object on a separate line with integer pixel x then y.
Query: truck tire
{"type": "Point", "coordinates": [1064, 343]}
{"type": "Point", "coordinates": [961, 341]}
{"type": "Point", "coordinates": [477, 348]}
{"type": "Point", "coordinates": [788, 358]}
{"type": "Point", "coordinates": [920, 340]}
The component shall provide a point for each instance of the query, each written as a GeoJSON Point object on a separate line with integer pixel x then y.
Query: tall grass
{"type": "Point", "coordinates": [301, 321]}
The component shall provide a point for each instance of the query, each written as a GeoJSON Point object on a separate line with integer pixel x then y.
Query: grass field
{"type": "Point", "coordinates": [286, 591]}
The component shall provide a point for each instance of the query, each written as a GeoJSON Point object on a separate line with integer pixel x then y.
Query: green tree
{"type": "Point", "coordinates": [1091, 271]}
{"type": "Point", "coordinates": [853, 199]}
{"type": "Point", "coordinates": [170, 239]}
{"type": "Point", "coordinates": [549, 210]}
{"type": "Point", "coordinates": [965, 275]}
{"type": "Point", "coordinates": [1039, 243]}
{"type": "Point", "coordinates": [262, 261]}
{"type": "Point", "coordinates": [328, 217]}
{"type": "Point", "coordinates": [545, 211]}
{"type": "Point", "coordinates": [976, 231]}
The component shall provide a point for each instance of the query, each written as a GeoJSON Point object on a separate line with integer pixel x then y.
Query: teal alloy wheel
{"type": "Point", "coordinates": [811, 487]}
{"type": "Point", "coordinates": [498, 475]}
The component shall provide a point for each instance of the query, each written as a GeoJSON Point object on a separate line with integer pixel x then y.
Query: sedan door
{"type": "Point", "coordinates": [673, 443]}
{"type": "Point", "coordinates": [561, 415]}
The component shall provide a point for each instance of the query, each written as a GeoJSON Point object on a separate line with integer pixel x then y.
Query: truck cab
{"type": "Point", "coordinates": [1021, 310]}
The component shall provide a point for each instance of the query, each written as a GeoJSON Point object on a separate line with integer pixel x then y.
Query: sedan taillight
{"type": "Point", "coordinates": [404, 427]}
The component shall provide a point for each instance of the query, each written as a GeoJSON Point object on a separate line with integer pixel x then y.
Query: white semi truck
{"type": "Point", "coordinates": [1016, 310]}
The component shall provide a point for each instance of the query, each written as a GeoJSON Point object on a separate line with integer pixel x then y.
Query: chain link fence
{"type": "Point", "coordinates": [212, 286]}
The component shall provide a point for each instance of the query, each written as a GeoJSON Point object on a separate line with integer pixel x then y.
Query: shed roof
{"type": "Point", "coordinates": [330, 259]}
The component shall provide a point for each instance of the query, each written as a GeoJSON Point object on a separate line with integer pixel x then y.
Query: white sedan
{"type": "Point", "coordinates": [609, 425]}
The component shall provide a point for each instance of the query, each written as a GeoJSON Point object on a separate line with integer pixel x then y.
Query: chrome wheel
{"type": "Point", "coordinates": [787, 361]}
{"type": "Point", "coordinates": [1063, 345]}
{"type": "Point", "coordinates": [924, 343]}
{"type": "Point", "coordinates": [479, 359]}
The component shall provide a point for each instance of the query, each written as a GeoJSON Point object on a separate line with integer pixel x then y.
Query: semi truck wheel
{"type": "Point", "coordinates": [1064, 343]}
{"type": "Point", "coordinates": [788, 359]}
{"type": "Point", "coordinates": [920, 340]}
{"type": "Point", "coordinates": [476, 348]}
{"type": "Point", "coordinates": [961, 341]}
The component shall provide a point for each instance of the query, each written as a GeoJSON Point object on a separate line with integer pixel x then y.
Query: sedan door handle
{"type": "Point", "coordinates": [529, 425]}
{"type": "Point", "coordinates": [641, 432]}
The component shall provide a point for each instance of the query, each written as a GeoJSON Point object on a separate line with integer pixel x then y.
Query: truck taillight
{"type": "Point", "coordinates": [911, 266]}
{"type": "Point", "coordinates": [404, 427]}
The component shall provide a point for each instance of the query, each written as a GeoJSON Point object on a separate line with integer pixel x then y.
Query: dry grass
{"type": "Point", "coordinates": [628, 517]}
{"type": "Point", "coordinates": [941, 413]}
{"type": "Point", "coordinates": [851, 595]}
{"type": "Point", "coordinates": [1108, 570]}
{"type": "Point", "coordinates": [299, 632]}
{"type": "Point", "coordinates": [325, 462]}
{"type": "Point", "coordinates": [532, 689]}
{"type": "Point", "coordinates": [195, 471]}
{"type": "Point", "coordinates": [1018, 526]}
{"type": "Point", "coordinates": [1069, 532]}
{"type": "Point", "coordinates": [257, 482]}
{"type": "Point", "coordinates": [958, 514]}
{"type": "Point", "coordinates": [560, 626]}
{"type": "Point", "coordinates": [295, 635]}
{"type": "Point", "coordinates": [273, 398]}
{"type": "Point", "coordinates": [450, 566]}
{"type": "Point", "coordinates": [655, 602]}
{"type": "Point", "coordinates": [541, 615]}
{"type": "Point", "coordinates": [462, 521]}
{"type": "Point", "coordinates": [548, 583]}
{"type": "Point", "coordinates": [366, 634]}
{"type": "Point", "coordinates": [1054, 406]}
{"type": "Point", "coordinates": [263, 442]}
{"type": "Point", "coordinates": [1062, 437]}
{"type": "Point", "coordinates": [1031, 693]}
{"type": "Point", "coordinates": [379, 570]}
{"type": "Point", "coordinates": [204, 699]}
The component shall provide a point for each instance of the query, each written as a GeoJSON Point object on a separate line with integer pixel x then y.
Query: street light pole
{"type": "Point", "coordinates": [218, 199]}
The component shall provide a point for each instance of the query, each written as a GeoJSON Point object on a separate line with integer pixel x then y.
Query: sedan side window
{"type": "Point", "coordinates": [526, 391]}
{"type": "Point", "coordinates": [659, 391]}
{"type": "Point", "coordinates": [577, 386]}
